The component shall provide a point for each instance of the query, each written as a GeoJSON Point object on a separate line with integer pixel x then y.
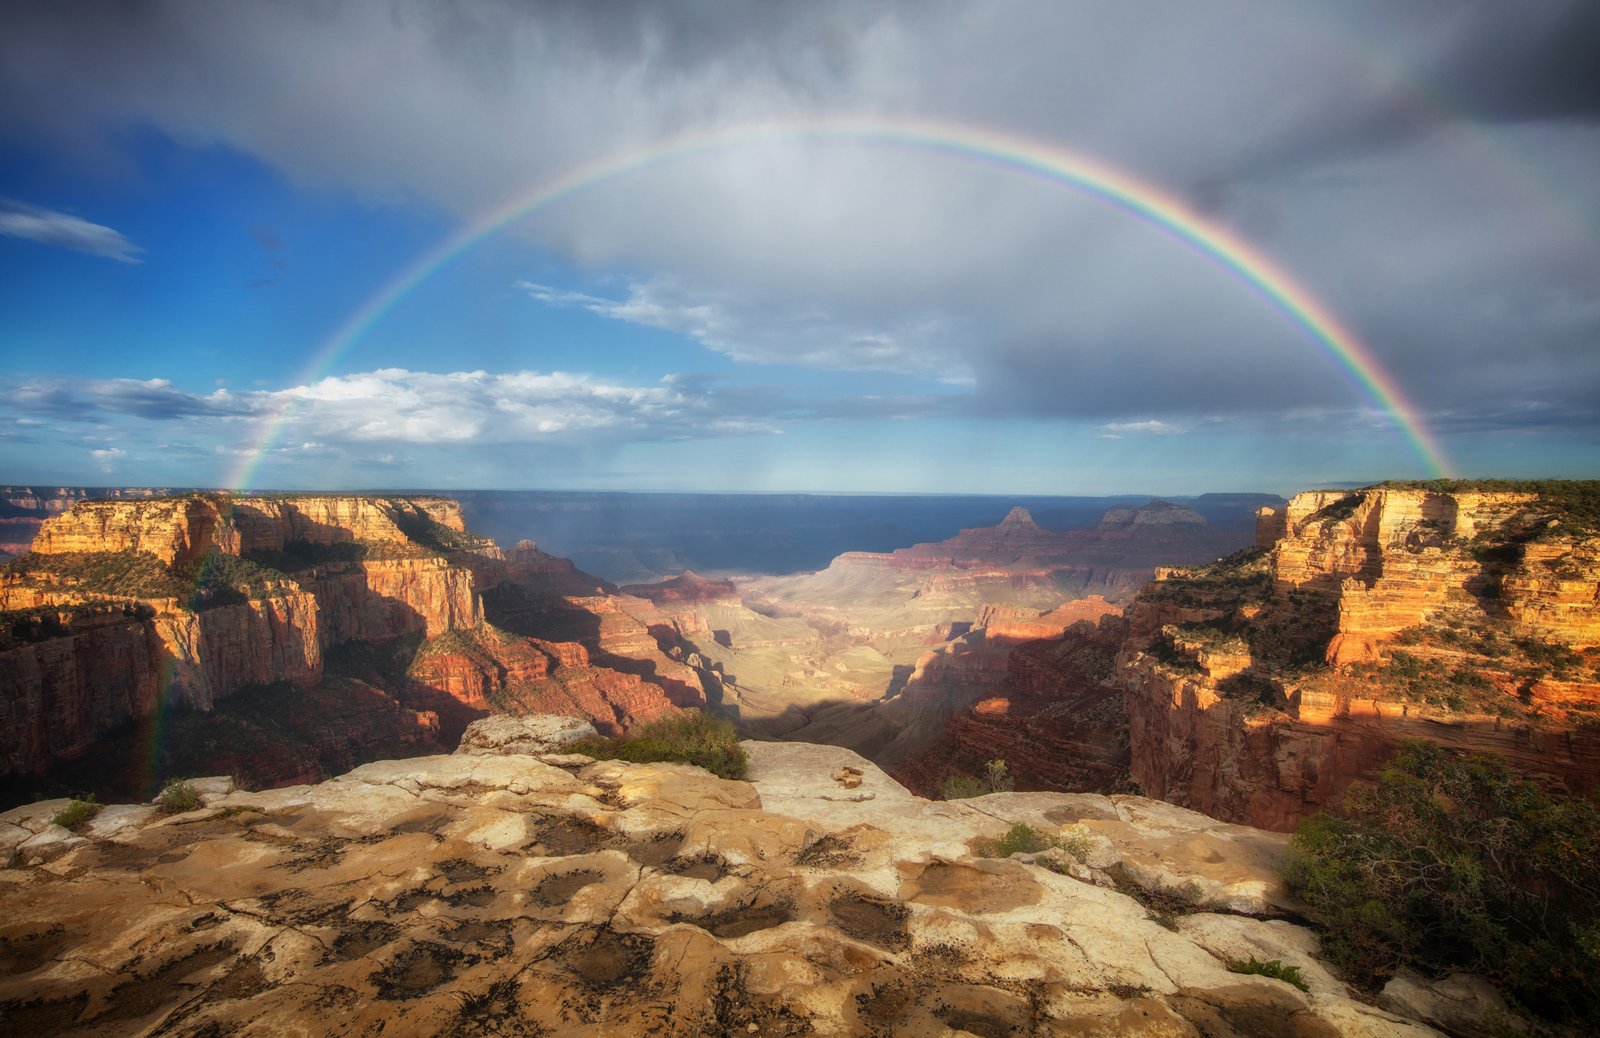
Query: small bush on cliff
{"type": "Point", "coordinates": [79, 813]}
{"type": "Point", "coordinates": [1273, 968]}
{"type": "Point", "coordinates": [996, 778]}
{"type": "Point", "coordinates": [1166, 904]}
{"type": "Point", "coordinates": [1454, 863]}
{"type": "Point", "coordinates": [1019, 839]}
{"type": "Point", "coordinates": [962, 787]}
{"type": "Point", "coordinates": [694, 738]}
{"type": "Point", "coordinates": [178, 796]}
{"type": "Point", "coordinates": [999, 777]}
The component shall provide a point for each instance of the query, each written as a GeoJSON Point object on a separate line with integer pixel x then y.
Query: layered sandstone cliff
{"type": "Point", "coordinates": [65, 683]}
{"type": "Point", "coordinates": [133, 606]}
{"type": "Point", "coordinates": [24, 509]}
{"type": "Point", "coordinates": [1259, 688]}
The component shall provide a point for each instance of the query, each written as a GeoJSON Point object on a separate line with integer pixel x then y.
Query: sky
{"type": "Point", "coordinates": [725, 246]}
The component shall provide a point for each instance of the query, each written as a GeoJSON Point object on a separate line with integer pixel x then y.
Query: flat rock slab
{"type": "Point", "coordinates": [497, 894]}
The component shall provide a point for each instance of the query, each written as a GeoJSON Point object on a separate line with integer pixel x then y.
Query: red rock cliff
{"type": "Point", "coordinates": [1261, 687]}
{"type": "Point", "coordinates": [208, 604]}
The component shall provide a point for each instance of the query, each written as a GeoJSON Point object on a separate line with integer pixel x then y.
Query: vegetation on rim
{"type": "Point", "coordinates": [78, 814]}
{"type": "Point", "coordinates": [178, 796]}
{"type": "Point", "coordinates": [1273, 968]}
{"type": "Point", "coordinates": [1452, 862]}
{"type": "Point", "coordinates": [695, 738]}
{"type": "Point", "coordinates": [1575, 502]}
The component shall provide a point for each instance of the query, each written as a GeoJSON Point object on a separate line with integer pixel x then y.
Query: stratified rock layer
{"type": "Point", "coordinates": [129, 607]}
{"type": "Point", "coordinates": [483, 894]}
{"type": "Point", "coordinates": [1260, 688]}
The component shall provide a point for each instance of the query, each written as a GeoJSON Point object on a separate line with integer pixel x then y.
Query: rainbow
{"type": "Point", "coordinates": [1047, 162]}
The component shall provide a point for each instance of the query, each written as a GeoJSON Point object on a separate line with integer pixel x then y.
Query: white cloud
{"type": "Point", "coordinates": [1153, 427]}
{"type": "Point", "coordinates": [395, 405]}
{"type": "Point", "coordinates": [20, 220]}
{"type": "Point", "coordinates": [107, 457]}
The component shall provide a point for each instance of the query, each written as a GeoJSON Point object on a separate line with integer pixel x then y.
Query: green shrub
{"type": "Point", "coordinates": [1274, 969]}
{"type": "Point", "coordinates": [79, 813]}
{"type": "Point", "coordinates": [127, 573]}
{"type": "Point", "coordinates": [1019, 839]}
{"type": "Point", "coordinates": [694, 738]}
{"type": "Point", "coordinates": [178, 796]}
{"type": "Point", "coordinates": [962, 787]}
{"type": "Point", "coordinates": [999, 777]}
{"type": "Point", "coordinates": [1454, 863]}
{"type": "Point", "coordinates": [1025, 839]}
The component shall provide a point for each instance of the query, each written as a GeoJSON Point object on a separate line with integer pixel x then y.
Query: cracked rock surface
{"type": "Point", "coordinates": [520, 894]}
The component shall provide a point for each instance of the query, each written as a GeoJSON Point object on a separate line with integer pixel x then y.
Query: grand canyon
{"type": "Point", "coordinates": [1250, 671]}
{"type": "Point", "coordinates": [711, 518]}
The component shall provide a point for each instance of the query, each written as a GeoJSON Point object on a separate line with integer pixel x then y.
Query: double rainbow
{"type": "Point", "coordinates": [1020, 155]}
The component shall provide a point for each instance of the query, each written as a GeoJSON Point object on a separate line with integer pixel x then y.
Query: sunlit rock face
{"type": "Point", "coordinates": [543, 893]}
{"type": "Point", "coordinates": [128, 609]}
{"type": "Point", "coordinates": [1259, 689]}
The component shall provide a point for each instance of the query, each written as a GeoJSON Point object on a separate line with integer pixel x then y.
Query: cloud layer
{"type": "Point", "coordinates": [1426, 170]}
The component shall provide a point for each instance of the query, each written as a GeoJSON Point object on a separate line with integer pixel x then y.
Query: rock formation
{"type": "Point", "coordinates": [24, 509]}
{"type": "Point", "coordinates": [537, 892]}
{"type": "Point", "coordinates": [1016, 564]}
{"type": "Point", "coordinates": [686, 587]}
{"type": "Point", "coordinates": [128, 608]}
{"type": "Point", "coordinates": [1260, 687]}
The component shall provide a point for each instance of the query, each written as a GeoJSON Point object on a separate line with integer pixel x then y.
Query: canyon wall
{"type": "Point", "coordinates": [63, 687]}
{"type": "Point", "coordinates": [1053, 717]}
{"type": "Point", "coordinates": [128, 606]}
{"type": "Point", "coordinates": [1259, 688]}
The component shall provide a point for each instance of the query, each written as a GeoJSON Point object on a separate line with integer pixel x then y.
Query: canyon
{"type": "Point", "coordinates": [1120, 658]}
{"type": "Point", "coordinates": [1165, 716]}
{"type": "Point", "coordinates": [877, 650]}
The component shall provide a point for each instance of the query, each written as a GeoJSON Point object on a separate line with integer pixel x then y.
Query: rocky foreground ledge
{"type": "Point", "coordinates": [513, 889]}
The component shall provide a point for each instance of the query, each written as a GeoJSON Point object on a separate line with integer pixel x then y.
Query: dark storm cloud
{"type": "Point", "coordinates": [1525, 61]}
{"type": "Point", "coordinates": [1426, 170]}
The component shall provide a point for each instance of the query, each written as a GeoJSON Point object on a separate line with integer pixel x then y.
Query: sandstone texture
{"type": "Point", "coordinates": [1259, 688]}
{"type": "Point", "coordinates": [546, 894]}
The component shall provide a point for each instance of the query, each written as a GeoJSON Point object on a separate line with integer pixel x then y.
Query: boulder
{"type": "Point", "coordinates": [531, 735]}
